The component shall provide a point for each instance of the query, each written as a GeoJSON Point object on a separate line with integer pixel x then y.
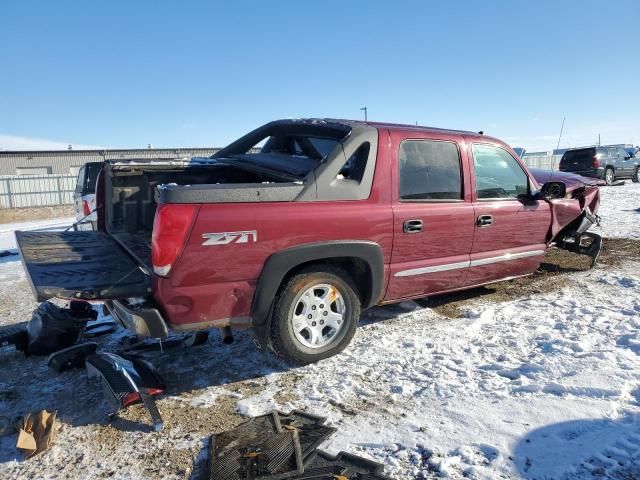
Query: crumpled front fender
{"type": "Point", "coordinates": [565, 211]}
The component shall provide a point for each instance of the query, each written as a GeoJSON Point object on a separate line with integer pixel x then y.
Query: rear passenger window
{"type": "Point", "coordinates": [354, 167]}
{"type": "Point", "coordinates": [498, 174]}
{"type": "Point", "coordinates": [429, 170]}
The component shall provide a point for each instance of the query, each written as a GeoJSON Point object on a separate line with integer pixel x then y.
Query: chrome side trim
{"type": "Point", "coordinates": [434, 269]}
{"type": "Point", "coordinates": [474, 263]}
{"type": "Point", "coordinates": [506, 257]}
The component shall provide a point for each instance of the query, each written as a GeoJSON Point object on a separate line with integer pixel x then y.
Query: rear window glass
{"type": "Point", "coordinates": [584, 155]}
{"type": "Point", "coordinates": [429, 170]}
{"type": "Point", "coordinates": [80, 180]}
{"type": "Point", "coordinates": [293, 148]}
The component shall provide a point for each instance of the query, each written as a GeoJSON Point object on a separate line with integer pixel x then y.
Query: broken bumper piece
{"type": "Point", "coordinates": [127, 381]}
{"type": "Point", "coordinates": [587, 243]}
{"type": "Point", "coordinates": [71, 357]}
{"type": "Point", "coordinates": [145, 321]}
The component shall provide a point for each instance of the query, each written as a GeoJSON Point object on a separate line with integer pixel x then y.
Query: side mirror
{"type": "Point", "coordinates": [554, 190]}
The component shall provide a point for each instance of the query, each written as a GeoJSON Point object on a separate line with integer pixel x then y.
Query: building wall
{"type": "Point", "coordinates": [62, 162]}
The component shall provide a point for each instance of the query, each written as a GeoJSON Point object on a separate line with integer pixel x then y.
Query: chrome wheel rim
{"type": "Point", "coordinates": [609, 175]}
{"type": "Point", "coordinates": [317, 316]}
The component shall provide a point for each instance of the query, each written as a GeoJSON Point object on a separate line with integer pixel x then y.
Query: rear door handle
{"type": "Point", "coordinates": [484, 221]}
{"type": "Point", "coordinates": [412, 226]}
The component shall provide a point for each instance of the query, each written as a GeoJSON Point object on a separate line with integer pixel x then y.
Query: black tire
{"type": "Point", "coordinates": [609, 175]}
{"type": "Point", "coordinates": [284, 341]}
{"type": "Point", "coordinates": [636, 176]}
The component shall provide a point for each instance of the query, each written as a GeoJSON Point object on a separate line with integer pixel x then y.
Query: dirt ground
{"type": "Point", "coordinates": [551, 275]}
{"type": "Point", "coordinates": [37, 213]}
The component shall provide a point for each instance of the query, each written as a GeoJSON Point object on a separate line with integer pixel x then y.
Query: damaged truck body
{"type": "Point", "coordinates": [296, 227]}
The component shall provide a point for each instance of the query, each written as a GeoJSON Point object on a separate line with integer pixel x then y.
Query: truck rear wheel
{"type": "Point", "coordinates": [315, 315]}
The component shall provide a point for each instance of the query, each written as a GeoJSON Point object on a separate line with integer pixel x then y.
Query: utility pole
{"type": "Point", "coordinates": [365, 113]}
{"type": "Point", "coordinates": [599, 140]}
{"type": "Point", "coordinates": [561, 130]}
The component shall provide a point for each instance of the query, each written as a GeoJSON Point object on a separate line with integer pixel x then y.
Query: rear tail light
{"type": "Point", "coordinates": [134, 397]}
{"type": "Point", "coordinates": [170, 229]}
{"type": "Point", "coordinates": [86, 208]}
{"type": "Point", "coordinates": [596, 162]}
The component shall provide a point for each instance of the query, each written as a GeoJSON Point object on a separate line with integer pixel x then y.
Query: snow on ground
{"type": "Point", "coordinates": [620, 211]}
{"type": "Point", "coordinates": [7, 230]}
{"type": "Point", "coordinates": [544, 385]}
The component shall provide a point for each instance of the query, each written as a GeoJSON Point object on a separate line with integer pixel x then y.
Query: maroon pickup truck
{"type": "Point", "coordinates": [296, 227]}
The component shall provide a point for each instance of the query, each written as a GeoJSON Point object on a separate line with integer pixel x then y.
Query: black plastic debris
{"type": "Point", "coordinates": [71, 357]}
{"type": "Point", "coordinates": [14, 335]}
{"type": "Point", "coordinates": [323, 466]}
{"type": "Point", "coordinates": [7, 253]}
{"type": "Point", "coordinates": [277, 446]}
{"type": "Point", "coordinates": [126, 381]}
{"type": "Point", "coordinates": [52, 328]}
{"type": "Point", "coordinates": [99, 329]}
{"type": "Point", "coordinates": [82, 310]}
{"type": "Point", "coordinates": [134, 345]}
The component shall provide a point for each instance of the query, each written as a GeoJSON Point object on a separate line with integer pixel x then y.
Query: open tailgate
{"type": "Point", "coordinates": [87, 265]}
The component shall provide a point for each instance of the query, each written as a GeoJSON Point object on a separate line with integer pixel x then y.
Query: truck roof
{"type": "Point", "coordinates": [399, 127]}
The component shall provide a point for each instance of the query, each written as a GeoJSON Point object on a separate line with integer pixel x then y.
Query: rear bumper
{"type": "Point", "coordinates": [145, 321]}
{"type": "Point", "coordinates": [589, 172]}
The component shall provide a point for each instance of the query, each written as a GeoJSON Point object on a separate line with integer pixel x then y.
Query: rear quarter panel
{"type": "Point", "coordinates": [212, 282]}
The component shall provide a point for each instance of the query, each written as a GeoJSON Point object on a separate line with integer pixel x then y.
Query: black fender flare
{"type": "Point", "coordinates": [279, 264]}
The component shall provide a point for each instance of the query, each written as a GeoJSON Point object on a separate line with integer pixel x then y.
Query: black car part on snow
{"type": "Point", "coordinates": [126, 381]}
{"type": "Point", "coordinates": [277, 446]}
{"type": "Point", "coordinates": [52, 328]}
{"type": "Point", "coordinates": [15, 335]}
{"type": "Point", "coordinates": [71, 357]}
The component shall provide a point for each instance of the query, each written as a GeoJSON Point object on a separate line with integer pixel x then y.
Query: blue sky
{"type": "Point", "coordinates": [125, 74]}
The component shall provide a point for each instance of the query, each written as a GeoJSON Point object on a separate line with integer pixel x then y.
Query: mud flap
{"type": "Point", "coordinates": [587, 243]}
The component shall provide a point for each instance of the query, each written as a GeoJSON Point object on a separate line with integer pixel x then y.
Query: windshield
{"type": "Point", "coordinates": [294, 148]}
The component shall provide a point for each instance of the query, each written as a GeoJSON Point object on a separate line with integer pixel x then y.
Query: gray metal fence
{"type": "Point", "coordinates": [548, 162]}
{"type": "Point", "coordinates": [36, 191]}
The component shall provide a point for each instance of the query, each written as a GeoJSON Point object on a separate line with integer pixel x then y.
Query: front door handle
{"type": "Point", "coordinates": [412, 226]}
{"type": "Point", "coordinates": [484, 221]}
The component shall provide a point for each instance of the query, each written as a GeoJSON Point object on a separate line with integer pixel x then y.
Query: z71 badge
{"type": "Point", "coordinates": [225, 238]}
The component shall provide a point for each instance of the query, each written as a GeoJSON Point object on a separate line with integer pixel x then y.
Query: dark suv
{"type": "Point", "coordinates": [608, 163]}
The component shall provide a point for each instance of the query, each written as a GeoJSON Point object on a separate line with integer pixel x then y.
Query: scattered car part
{"type": "Point", "coordinates": [15, 335]}
{"type": "Point", "coordinates": [587, 243]}
{"type": "Point", "coordinates": [52, 328]}
{"type": "Point", "coordinates": [99, 329]}
{"type": "Point", "coordinates": [36, 432]}
{"type": "Point", "coordinates": [71, 357]}
{"type": "Point", "coordinates": [322, 466]}
{"type": "Point", "coordinates": [126, 381]}
{"type": "Point", "coordinates": [271, 446]}
{"type": "Point", "coordinates": [82, 310]}
{"type": "Point", "coordinates": [136, 345]}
